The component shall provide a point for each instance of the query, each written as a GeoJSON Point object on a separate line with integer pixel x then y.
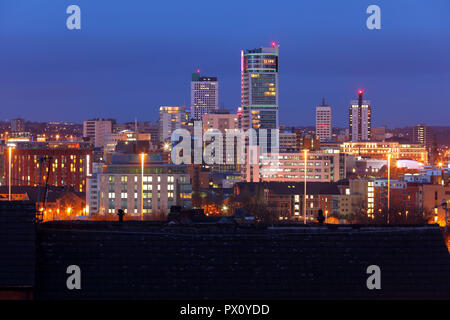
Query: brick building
{"type": "Point", "coordinates": [68, 164]}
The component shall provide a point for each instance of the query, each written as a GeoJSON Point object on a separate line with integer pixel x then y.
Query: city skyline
{"type": "Point", "coordinates": [101, 71]}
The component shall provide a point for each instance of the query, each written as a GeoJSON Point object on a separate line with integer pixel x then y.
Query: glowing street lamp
{"type": "Point", "coordinates": [304, 202]}
{"type": "Point", "coordinates": [389, 186]}
{"type": "Point", "coordinates": [9, 172]}
{"type": "Point", "coordinates": [440, 164]}
{"type": "Point", "coordinates": [142, 185]}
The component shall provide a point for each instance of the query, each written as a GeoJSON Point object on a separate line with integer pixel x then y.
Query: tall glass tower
{"type": "Point", "coordinates": [259, 88]}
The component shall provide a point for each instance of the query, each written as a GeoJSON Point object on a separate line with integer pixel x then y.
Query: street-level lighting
{"type": "Point", "coordinates": [389, 186]}
{"type": "Point", "coordinates": [9, 172]}
{"type": "Point", "coordinates": [304, 204]}
{"type": "Point", "coordinates": [142, 185]}
{"type": "Point", "coordinates": [442, 172]}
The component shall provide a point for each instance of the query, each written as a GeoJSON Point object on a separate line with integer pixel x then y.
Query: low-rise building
{"type": "Point", "coordinates": [151, 193]}
{"type": "Point", "coordinates": [380, 150]}
{"type": "Point", "coordinates": [61, 163]}
{"type": "Point", "coordinates": [290, 167]}
{"type": "Point", "coordinates": [286, 199]}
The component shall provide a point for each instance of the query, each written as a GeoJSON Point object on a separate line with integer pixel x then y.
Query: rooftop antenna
{"type": "Point", "coordinates": [323, 101]}
{"type": "Point", "coordinates": [135, 125]}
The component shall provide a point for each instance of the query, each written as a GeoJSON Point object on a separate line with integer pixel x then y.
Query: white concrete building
{"type": "Point", "coordinates": [97, 129]}
{"type": "Point", "coordinates": [170, 119]}
{"type": "Point", "coordinates": [323, 122]}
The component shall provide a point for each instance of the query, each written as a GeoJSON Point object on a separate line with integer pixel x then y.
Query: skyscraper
{"type": "Point", "coordinates": [360, 122]}
{"type": "Point", "coordinates": [170, 119]}
{"type": "Point", "coordinates": [323, 122]}
{"type": "Point", "coordinates": [422, 135]}
{"type": "Point", "coordinates": [204, 95]}
{"type": "Point", "coordinates": [259, 87]}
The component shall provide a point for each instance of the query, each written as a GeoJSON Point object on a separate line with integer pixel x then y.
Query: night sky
{"type": "Point", "coordinates": [132, 56]}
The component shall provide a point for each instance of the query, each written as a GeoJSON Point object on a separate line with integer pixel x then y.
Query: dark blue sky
{"type": "Point", "coordinates": [130, 57]}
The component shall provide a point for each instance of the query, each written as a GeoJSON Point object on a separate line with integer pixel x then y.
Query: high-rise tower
{"type": "Point", "coordinates": [360, 119]}
{"type": "Point", "coordinates": [259, 87]}
{"type": "Point", "coordinates": [204, 95]}
{"type": "Point", "coordinates": [323, 122]}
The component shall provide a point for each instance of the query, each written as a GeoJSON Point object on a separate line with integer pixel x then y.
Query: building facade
{"type": "Point", "coordinates": [360, 119]}
{"type": "Point", "coordinates": [381, 150]}
{"type": "Point", "coordinates": [204, 95]}
{"type": "Point", "coordinates": [123, 186]}
{"type": "Point", "coordinates": [287, 140]}
{"type": "Point", "coordinates": [97, 130]}
{"type": "Point", "coordinates": [259, 88]}
{"type": "Point", "coordinates": [290, 167]}
{"type": "Point", "coordinates": [64, 164]}
{"type": "Point", "coordinates": [323, 122]}
{"type": "Point", "coordinates": [170, 119]}
{"type": "Point", "coordinates": [286, 199]}
{"type": "Point", "coordinates": [422, 135]}
{"type": "Point", "coordinates": [220, 120]}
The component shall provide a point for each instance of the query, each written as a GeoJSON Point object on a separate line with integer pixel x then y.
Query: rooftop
{"type": "Point", "coordinates": [155, 261]}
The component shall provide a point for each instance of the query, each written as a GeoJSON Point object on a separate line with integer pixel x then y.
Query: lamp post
{"type": "Point", "coordinates": [9, 173]}
{"type": "Point", "coordinates": [389, 186]}
{"type": "Point", "coordinates": [304, 204]}
{"type": "Point", "coordinates": [142, 185]}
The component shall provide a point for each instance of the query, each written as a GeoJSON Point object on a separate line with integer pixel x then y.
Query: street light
{"type": "Point", "coordinates": [142, 185]}
{"type": "Point", "coordinates": [304, 204]}
{"type": "Point", "coordinates": [9, 172]}
{"type": "Point", "coordinates": [389, 186]}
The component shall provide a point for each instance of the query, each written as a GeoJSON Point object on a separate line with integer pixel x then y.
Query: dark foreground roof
{"type": "Point", "coordinates": [17, 244]}
{"type": "Point", "coordinates": [157, 261]}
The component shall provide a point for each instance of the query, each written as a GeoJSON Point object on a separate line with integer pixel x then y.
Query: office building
{"type": "Point", "coordinates": [224, 122]}
{"type": "Point", "coordinates": [290, 167]}
{"type": "Point", "coordinates": [323, 122]}
{"type": "Point", "coordinates": [221, 120]}
{"type": "Point", "coordinates": [97, 129]}
{"type": "Point", "coordinates": [122, 186]}
{"type": "Point", "coordinates": [170, 119]}
{"type": "Point", "coordinates": [204, 95]}
{"type": "Point", "coordinates": [360, 119]}
{"type": "Point", "coordinates": [380, 150]}
{"type": "Point", "coordinates": [288, 140]}
{"type": "Point", "coordinates": [259, 88]}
